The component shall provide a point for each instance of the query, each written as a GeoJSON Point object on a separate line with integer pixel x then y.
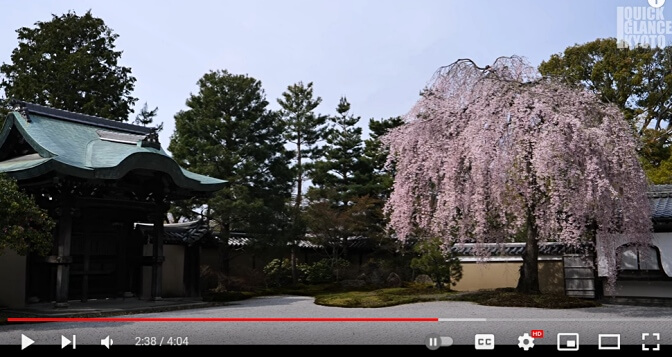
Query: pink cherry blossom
{"type": "Point", "coordinates": [492, 154]}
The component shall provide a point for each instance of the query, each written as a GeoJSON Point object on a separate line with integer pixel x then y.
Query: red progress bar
{"type": "Point", "coordinates": [216, 319]}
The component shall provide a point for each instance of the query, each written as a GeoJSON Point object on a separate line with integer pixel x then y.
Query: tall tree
{"type": "Point", "coordinates": [25, 227]}
{"type": "Point", "coordinates": [228, 132]}
{"type": "Point", "coordinates": [304, 129]}
{"type": "Point", "coordinates": [380, 176]}
{"type": "Point", "coordinates": [612, 73]}
{"type": "Point", "coordinates": [338, 174]}
{"type": "Point", "coordinates": [70, 63]}
{"type": "Point", "coordinates": [637, 80]}
{"type": "Point", "coordinates": [338, 182]}
{"type": "Point", "coordinates": [493, 153]}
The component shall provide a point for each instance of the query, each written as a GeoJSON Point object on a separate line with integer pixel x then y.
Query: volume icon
{"type": "Point", "coordinates": [107, 342]}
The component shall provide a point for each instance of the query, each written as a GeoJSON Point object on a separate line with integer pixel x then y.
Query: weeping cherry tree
{"type": "Point", "coordinates": [495, 154]}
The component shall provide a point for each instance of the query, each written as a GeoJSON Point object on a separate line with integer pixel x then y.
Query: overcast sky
{"type": "Point", "coordinates": [379, 54]}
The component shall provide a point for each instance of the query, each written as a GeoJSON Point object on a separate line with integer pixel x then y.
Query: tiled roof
{"type": "Point", "coordinates": [661, 202]}
{"type": "Point", "coordinates": [660, 191]}
{"type": "Point", "coordinates": [88, 147]}
{"type": "Point", "coordinates": [514, 249]}
{"type": "Point", "coordinates": [239, 239]}
{"type": "Point", "coordinates": [662, 208]}
{"type": "Point", "coordinates": [186, 233]}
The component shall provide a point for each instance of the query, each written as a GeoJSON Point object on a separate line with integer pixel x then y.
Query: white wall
{"type": "Point", "coordinates": [663, 241]}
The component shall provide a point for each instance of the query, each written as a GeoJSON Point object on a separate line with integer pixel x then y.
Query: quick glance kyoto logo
{"type": "Point", "coordinates": [642, 26]}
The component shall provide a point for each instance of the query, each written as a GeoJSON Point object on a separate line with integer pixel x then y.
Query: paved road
{"type": "Point", "coordinates": [458, 320]}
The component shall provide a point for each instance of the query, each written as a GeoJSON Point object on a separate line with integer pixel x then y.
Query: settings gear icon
{"type": "Point", "coordinates": [525, 341]}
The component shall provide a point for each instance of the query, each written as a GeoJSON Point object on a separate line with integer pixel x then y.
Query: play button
{"type": "Point", "coordinates": [26, 341]}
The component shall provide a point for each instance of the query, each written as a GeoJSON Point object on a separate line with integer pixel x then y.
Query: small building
{"type": "Point", "coordinates": [97, 178]}
{"type": "Point", "coordinates": [645, 273]}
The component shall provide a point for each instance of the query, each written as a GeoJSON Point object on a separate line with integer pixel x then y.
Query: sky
{"type": "Point", "coordinates": [379, 54]}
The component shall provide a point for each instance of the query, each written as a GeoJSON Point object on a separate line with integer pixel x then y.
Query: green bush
{"type": "Point", "coordinates": [278, 272]}
{"type": "Point", "coordinates": [318, 272]}
{"type": "Point", "coordinates": [437, 261]}
{"type": "Point", "coordinates": [324, 271]}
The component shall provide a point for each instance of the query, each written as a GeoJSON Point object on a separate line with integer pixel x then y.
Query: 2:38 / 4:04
{"type": "Point", "coordinates": [162, 341]}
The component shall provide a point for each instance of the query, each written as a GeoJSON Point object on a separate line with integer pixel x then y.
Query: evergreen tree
{"type": "Point", "coordinates": [379, 177]}
{"type": "Point", "coordinates": [228, 132]}
{"type": "Point", "coordinates": [304, 129]}
{"type": "Point", "coordinates": [70, 63]}
{"type": "Point", "coordinates": [341, 187]}
{"type": "Point", "coordinates": [338, 176]}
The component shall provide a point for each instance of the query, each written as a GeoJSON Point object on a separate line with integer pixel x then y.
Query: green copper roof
{"type": "Point", "coordinates": [88, 147]}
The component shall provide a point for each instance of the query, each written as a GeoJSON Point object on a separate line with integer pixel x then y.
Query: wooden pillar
{"type": "Point", "coordinates": [122, 260]}
{"type": "Point", "coordinates": [63, 258]}
{"type": "Point", "coordinates": [87, 266]}
{"type": "Point", "coordinates": [157, 255]}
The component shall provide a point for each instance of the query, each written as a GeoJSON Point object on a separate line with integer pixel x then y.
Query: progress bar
{"type": "Point", "coordinates": [446, 319]}
{"type": "Point", "coordinates": [319, 319]}
{"type": "Point", "coordinates": [216, 319]}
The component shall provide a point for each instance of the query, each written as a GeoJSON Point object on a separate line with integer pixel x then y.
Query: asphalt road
{"type": "Point", "coordinates": [398, 325]}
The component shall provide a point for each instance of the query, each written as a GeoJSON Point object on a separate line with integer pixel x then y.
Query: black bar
{"type": "Point", "coordinates": [412, 350]}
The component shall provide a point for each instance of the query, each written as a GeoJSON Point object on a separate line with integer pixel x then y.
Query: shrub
{"type": "Point", "coordinates": [437, 261]}
{"type": "Point", "coordinates": [278, 272]}
{"type": "Point", "coordinates": [324, 271]}
{"type": "Point", "coordinates": [319, 272]}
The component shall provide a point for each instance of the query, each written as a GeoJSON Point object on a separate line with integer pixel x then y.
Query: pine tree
{"type": "Point", "coordinates": [379, 177]}
{"type": "Point", "coordinates": [228, 132]}
{"type": "Point", "coordinates": [338, 175]}
{"type": "Point", "coordinates": [304, 129]}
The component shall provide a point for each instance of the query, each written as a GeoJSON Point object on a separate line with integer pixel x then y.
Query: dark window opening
{"type": "Point", "coordinates": [637, 263]}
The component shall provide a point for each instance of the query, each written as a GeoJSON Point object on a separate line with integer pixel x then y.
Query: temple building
{"type": "Point", "coordinates": [99, 179]}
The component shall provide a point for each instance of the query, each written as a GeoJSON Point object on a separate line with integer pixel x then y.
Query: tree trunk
{"type": "Point", "coordinates": [529, 272]}
{"type": "Point", "coordinates": [299, 180]}
{"type": "Point", "coordinates": [297, 206]}
{"type": "Point", "coordinates": [344, 253]}
{"type": "Point", "coordinates": [225, 249]}
{"type": "Point", "coordinates": [295, 275]}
